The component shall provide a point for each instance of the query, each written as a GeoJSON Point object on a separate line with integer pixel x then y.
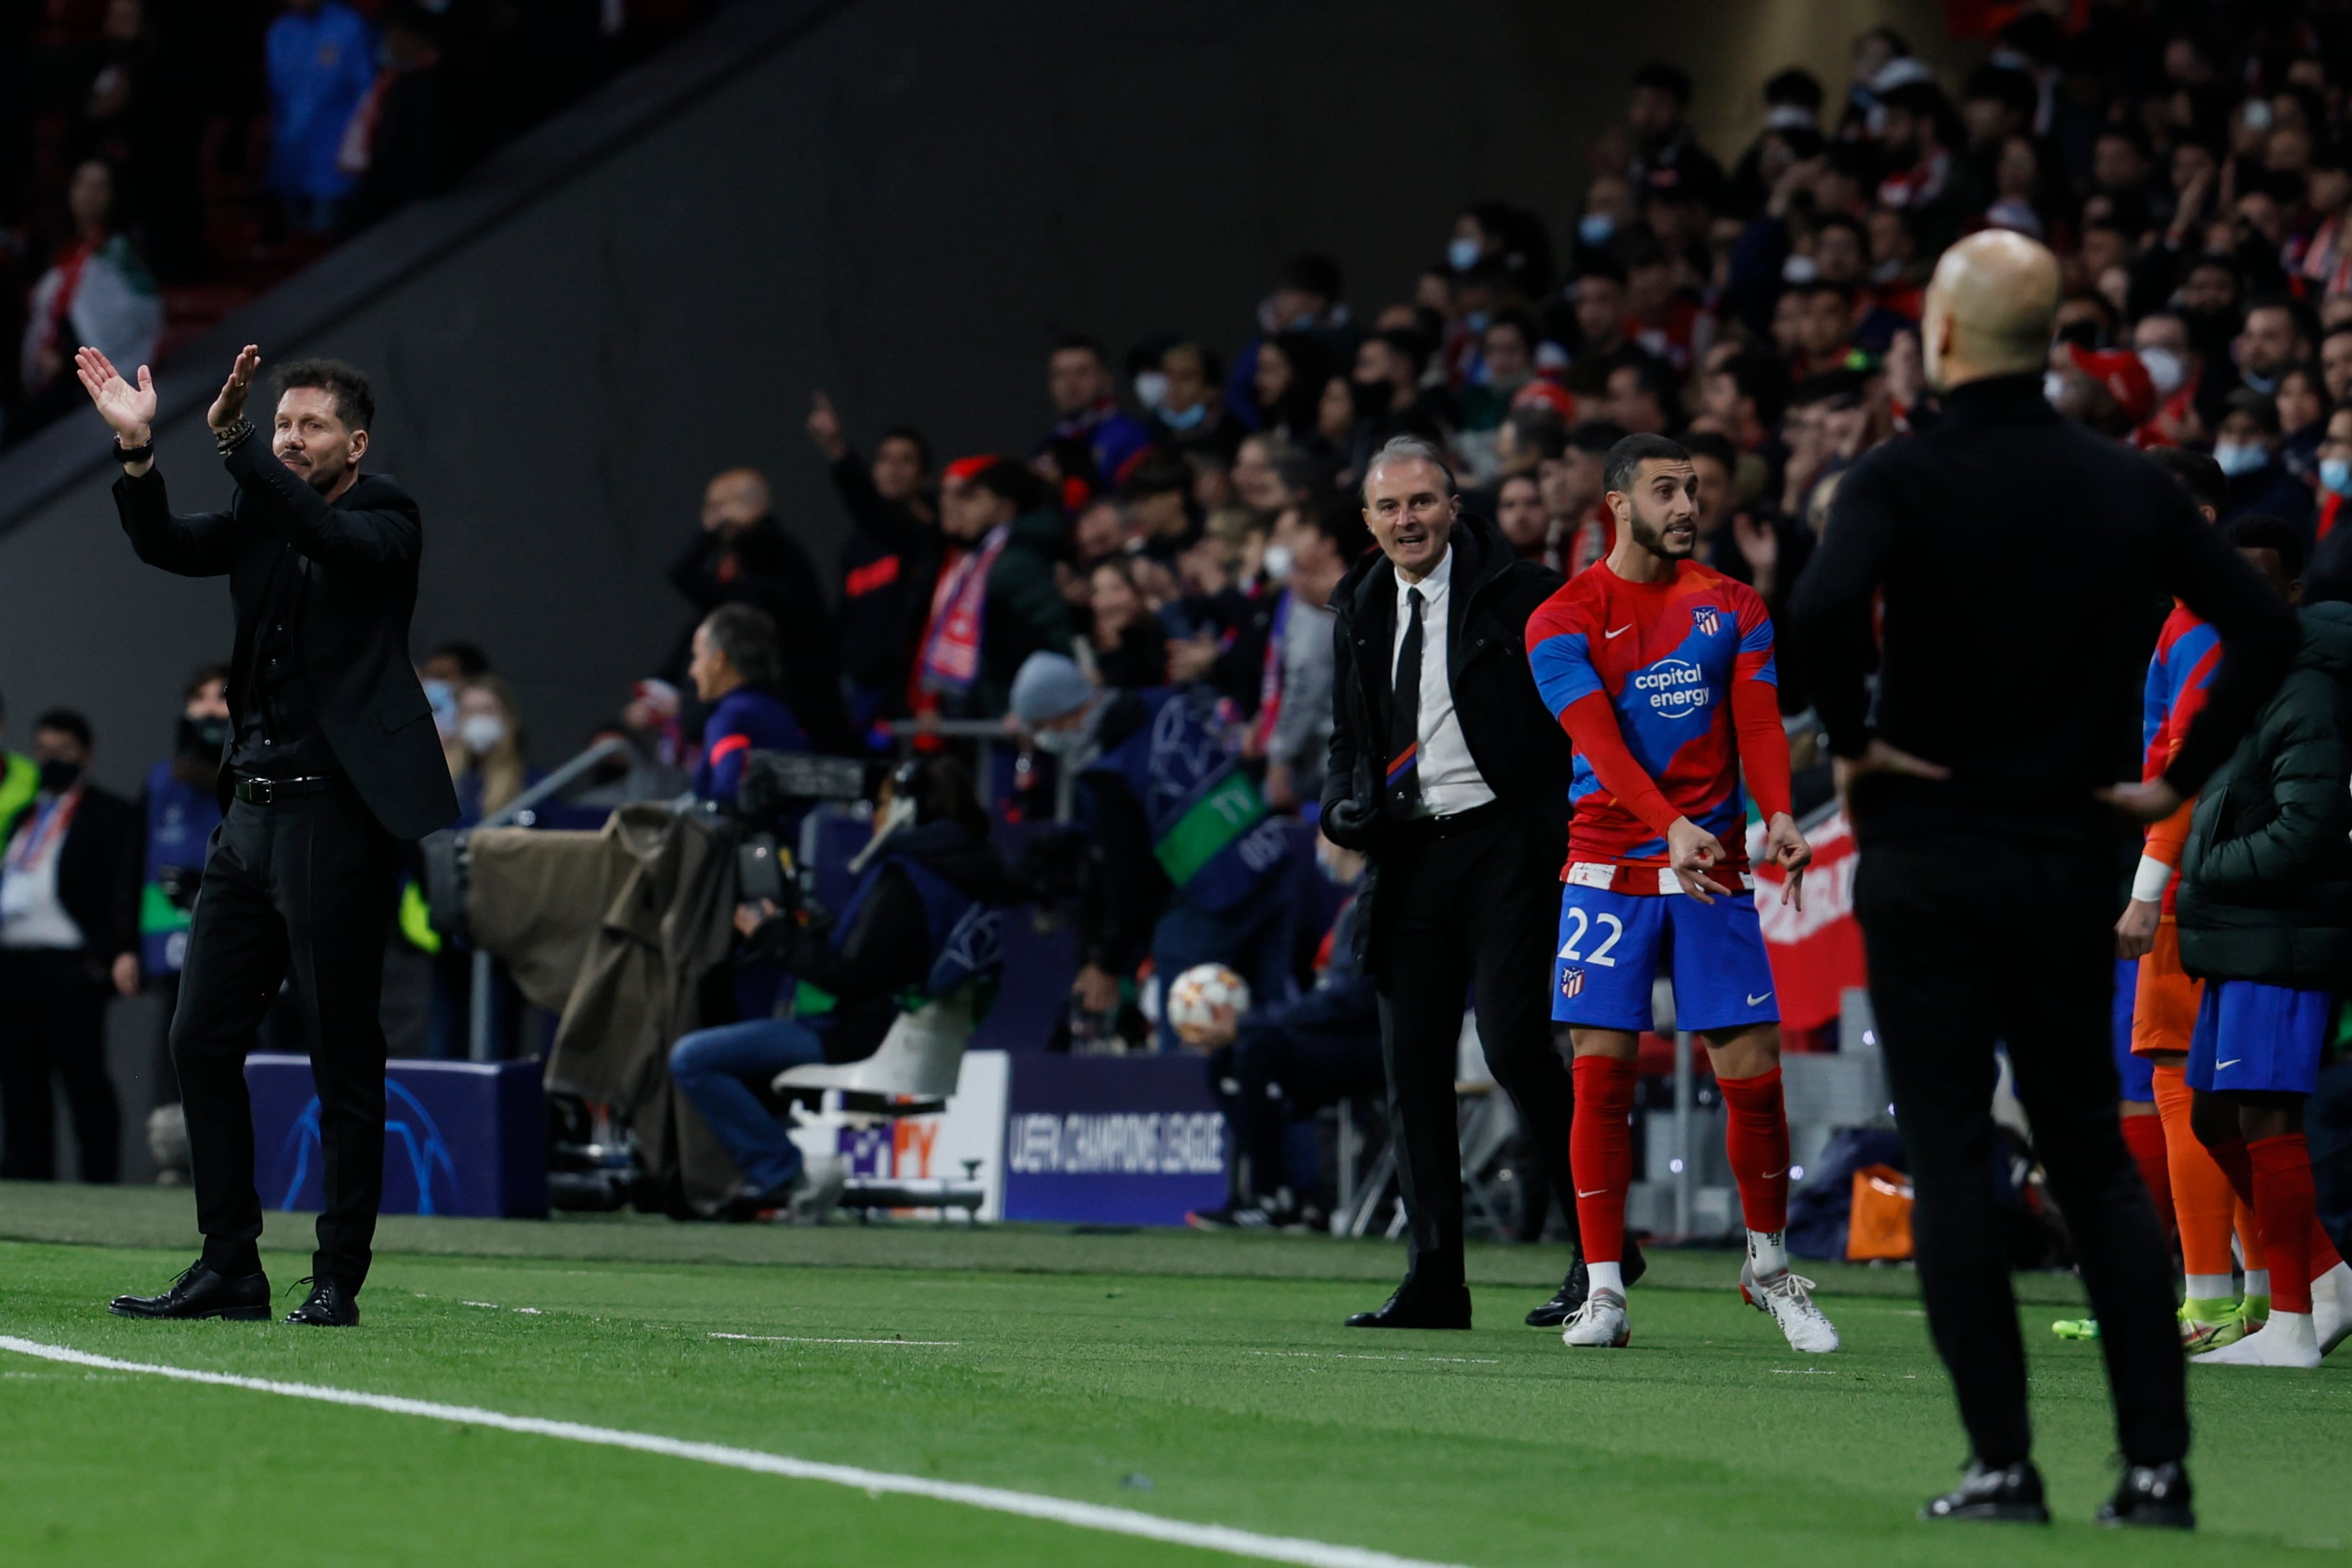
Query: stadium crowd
{"type": "Point", "coordinates": [161, 161]}
{"type": "Point", "coordinates": [1181, 519]}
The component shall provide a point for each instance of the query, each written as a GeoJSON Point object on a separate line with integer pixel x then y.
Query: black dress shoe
{"type": "Point", "coordinates": [2012, 1492]}
{"type": "Point", "coordinates": [2153, 1495]}
{"type": "Point", "coordinates": [1424, 1308]}
{"type": "Point", "coordinates": [201, 1293]}
{"type": "Point", "coordinates": [1573, 1290]}
{"type": "Point", "coordinates": [329, 1305]}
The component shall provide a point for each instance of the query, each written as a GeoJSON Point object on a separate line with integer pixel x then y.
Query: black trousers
{"type": "Point", "coordinates": [1468, 907]}
{"type": "Point", "coordinates": [1290, 1060]}
{"type": "Point", "coordinates": [300, 892]}
{"type": "Point", "coordinates": [53, 1021]}
{"type": "Point", "coordinates": [1975, 940]}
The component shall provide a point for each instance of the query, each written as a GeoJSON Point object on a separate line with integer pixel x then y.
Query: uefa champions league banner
{"type": "Point", "coordinates": [1816, 953]}
{"type": "Point", "coordinates": [1112, 1140]}
{"type": "Point", "coordinates": [460, 1137]}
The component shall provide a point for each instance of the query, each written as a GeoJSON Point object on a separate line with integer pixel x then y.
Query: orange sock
{"type": "Point", "coordinates": [2203, 1205]}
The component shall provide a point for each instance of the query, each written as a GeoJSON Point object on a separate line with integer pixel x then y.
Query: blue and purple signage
{"type": "Point", "coordinates": [460, 1137]}
{"type": "Point", "coordinates": [1133, 1140]}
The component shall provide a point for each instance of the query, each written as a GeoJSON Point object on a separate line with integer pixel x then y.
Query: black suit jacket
{"type": "Point", "coordinates": [98, 872]}
{"type": "Point", "coordinates": [362, 554]}
{"type": "Point", "coordinates": [1519, 748]}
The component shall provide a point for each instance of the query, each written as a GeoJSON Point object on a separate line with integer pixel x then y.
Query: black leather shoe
{"type": "Point", "coordinates": [2012, 1492]}
{"type": "Point", "coordinates": [2156, 1496]}
{"type": "Point", "coordinates": [1429, 1309]}
{"type": "Point", "coordinates": [329, 1305]}
{"type": "Point", "coordinates": [1573, 1290]}
{"type": "Point", "coordinates": [200, 1293]}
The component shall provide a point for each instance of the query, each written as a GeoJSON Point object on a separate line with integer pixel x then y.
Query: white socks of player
{"type": "Point", "coordinates": [1768, 1252]}
{"type": "Point", "coordinates": [1604, 1277]}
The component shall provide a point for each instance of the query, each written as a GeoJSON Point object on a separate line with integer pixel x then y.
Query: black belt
{"type": "Point", "coordinates": [1429, 828]}
{"type": "Point", "coordinates": [271, 792]}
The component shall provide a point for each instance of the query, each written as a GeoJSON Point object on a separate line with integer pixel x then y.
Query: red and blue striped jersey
{"type": "Point", "coordinates": [2178, 674]}
{"type": "Point", "coordinates": [1670, 658]}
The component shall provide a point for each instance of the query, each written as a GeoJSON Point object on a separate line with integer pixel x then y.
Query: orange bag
{"type": "Point", "coordinates": [1880, 1223]}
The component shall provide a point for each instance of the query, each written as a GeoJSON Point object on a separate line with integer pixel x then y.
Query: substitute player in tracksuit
{"type": "Point", "coordinates": [1661, 670]}
{"type": "Point", "coordinates": [2265, 916]}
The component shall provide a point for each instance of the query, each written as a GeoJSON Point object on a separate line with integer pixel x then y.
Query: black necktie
{"type": "Point", "coordinates": [1401, 795]}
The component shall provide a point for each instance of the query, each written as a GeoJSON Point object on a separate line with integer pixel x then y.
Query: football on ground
{"type": "Point", "coordinates": [616, 1389]}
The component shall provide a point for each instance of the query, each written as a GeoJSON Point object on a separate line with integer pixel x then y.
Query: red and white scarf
{"type": "Point", "coordinates": [950, 661]}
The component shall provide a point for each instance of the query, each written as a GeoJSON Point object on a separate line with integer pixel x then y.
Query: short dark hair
{"type": "Point", "coordinates": [1846, 221]}
{"type": "Point", "coordinates": [1412, 343]}
{"type": "Point", "coordinates": [1599, 263]}
{"type": "Point", "coordinates": [1829, 386]}
{"type": "Point", "coordinates": [471, 659]}
{"type": "Point", "coordinates": [2261, 405]}
{"type": "Point", "coordinates": [1795, 86]}
{"type": "Point", "coordinates": [1625, 459]}
{"type": "Point", "coordinates": [1651, 373]}
{"type": "Point", "coordinates": [66, 721]}
{"type": "Point", "coordinates": [1157, 474]}
{"type": "Point", "coordinates": [2126, 131]}
{"type": "Point", "coordinates": [1708, 443]}
{"type": "Point", "coordinates": [1311, 272]}
{"type": "Point", "coordinates": [2260, 530]}
{"type": "Point", "coordinates": [747, 634]}
{"type": "Point", "coordinates": [1595, 435]}
{"type": "Point", "coordinates": [2005, 84]}
{"type": "Point", "coordinates": [1092, 345]}
{"type": "Point", "coordinates": [1670, 80]}
{"type": "Point", "coordinates": [1341, 521]}
{"type": "Point", "coordinates": [913, 437]}
{"type": "Point", "coordinates": [1759, 375]}
{"type": "Point", "coordinates": [1522, 322]}
{"type": "Point", "coordinates": [2197, 474]}
{"type": "Point", "coordinates": [355, 399]}
{"type": "Point", "coordinates": [1011, 480]}
{"type": "Point", "coordinates": [205, 675]}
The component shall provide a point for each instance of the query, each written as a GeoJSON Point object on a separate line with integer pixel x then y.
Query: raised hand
{"type": "Point", "coordinates": [229, 407]}
{"type": "Point", "coordinates": [824, 428]}
{"type": "Point", "coordinates": [129, 410]}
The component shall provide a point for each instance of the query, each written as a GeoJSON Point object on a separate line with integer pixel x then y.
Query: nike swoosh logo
{"type": "Point", "coordinates": [1619, 633]}
{"type": "Point", "coordinates": [1775, 1176]}
{"type": "Point", "coordinates": [1596, 1192]}
{"type": "Point", "coordinates": [2232, 1063]}
{"type": "Point", "coordinates": [1759, 1000]}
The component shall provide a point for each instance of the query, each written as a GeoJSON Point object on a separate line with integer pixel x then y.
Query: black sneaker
{"type": "Point", "coordinates": [2154, 1495]}
{"type": "Point", "coordinates": [1569, 1301]}
{"type": "Point", "coordinates": [2012, 1492]}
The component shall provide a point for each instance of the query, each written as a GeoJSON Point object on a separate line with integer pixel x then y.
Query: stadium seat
{"type": "Point", "coordinates": [917, 1061]}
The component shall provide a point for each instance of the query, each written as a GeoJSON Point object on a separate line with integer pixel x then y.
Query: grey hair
{"type": "Point", "coordinates": [1407, 449]}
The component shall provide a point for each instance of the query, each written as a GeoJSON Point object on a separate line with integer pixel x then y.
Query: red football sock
{"type": "Point", "coordinates": [1756, 1137]}
{"type": "Point", "coordinates": [2284, 1200]}
{"type": "Point", "coordinates": [1601, 1154]}
{"type": "Point", "coordinates": [2238, 1167]}
{"type": "Point", "coordinates": [2144, 1135]}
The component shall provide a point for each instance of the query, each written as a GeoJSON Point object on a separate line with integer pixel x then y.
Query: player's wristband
{"type": "Point", "coordinates": [2150, 880]}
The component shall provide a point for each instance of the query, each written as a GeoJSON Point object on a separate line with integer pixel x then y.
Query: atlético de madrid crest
{"type": "Point", "coordinates": [1704, 619]}
{"type": "Point", "coordinates": [1572, 980]}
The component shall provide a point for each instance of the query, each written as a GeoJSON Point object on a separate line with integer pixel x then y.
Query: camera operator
{"type": "Point", "coordinates": [738, 670]}
{"type": "Point", "coordinates": [920, 924]}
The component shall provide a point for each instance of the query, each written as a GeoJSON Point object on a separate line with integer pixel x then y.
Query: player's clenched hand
{"type": "Point", "coordinates": [1786, 848]}
{"type": "Point", "coordinates": [1693, 852]}
{"type": "Point", "coordinates": [1880, 758]}
{"type": "Point", "coordinates": [2136, 930]}
{"type": "Point", "coordinates": [2149, 802]}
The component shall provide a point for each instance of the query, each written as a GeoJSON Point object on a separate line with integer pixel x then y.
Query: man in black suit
{"type": "Point", "coordinates": [332, 760]}
{"type": "Point", "coordinates": [1448, 772]}
{"type": "Point", "coordinates": [68, 926]}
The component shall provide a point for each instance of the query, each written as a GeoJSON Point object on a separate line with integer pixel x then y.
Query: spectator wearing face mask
{"type": "Point", "coordinates": [487, 764]}
{"type": "Point", "coordinates": [179, 809]}
{"type": "Point", "coordinates": [2246, 445]}
{"type": "Point", "coordinates": [1191, 415]}
{"type": "Point", "coordinates": [67, 930]}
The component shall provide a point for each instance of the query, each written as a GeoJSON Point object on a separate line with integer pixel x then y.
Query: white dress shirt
{"type": "Point", "coordinates": [31, 914]}
{"type": "Point", "coordinates": [1450, 781]}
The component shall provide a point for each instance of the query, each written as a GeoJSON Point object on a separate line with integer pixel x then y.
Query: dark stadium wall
{"type": "Point", "coordinates": [904, 207]}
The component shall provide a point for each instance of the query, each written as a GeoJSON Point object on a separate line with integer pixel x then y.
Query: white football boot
{"type": "Point", "coordinates": [2331, 1308]}
{"type": "Point", "coordinates": [1786, 1299]}
{"type": "Point", "coordinates": [1600, 1321]}
{"type": "Point", "coordinates": [2287, 1340]}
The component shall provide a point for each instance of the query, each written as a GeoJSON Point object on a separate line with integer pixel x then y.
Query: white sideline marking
{"type": "Point", "coordinates": [806, 1339]}
{"type": "Point", "coordinates": [997, 1499]}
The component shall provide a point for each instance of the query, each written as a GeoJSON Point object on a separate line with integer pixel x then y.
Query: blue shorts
{"type": "Point", "coordinates": [2138, 1071]}
{"type": "Point", "coordinates": [2258, 1039]}
{"type": "Point", "coordinates": [1613, 945]}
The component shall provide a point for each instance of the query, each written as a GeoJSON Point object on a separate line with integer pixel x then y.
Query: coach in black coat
{"type": "Point", "coordinates": [1461, 894]}
{"type": "Point", "coordinates": [332, 762]}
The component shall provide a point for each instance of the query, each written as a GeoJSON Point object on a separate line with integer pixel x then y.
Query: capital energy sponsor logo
{"type": "Point", "coordinates": [1675, 688]}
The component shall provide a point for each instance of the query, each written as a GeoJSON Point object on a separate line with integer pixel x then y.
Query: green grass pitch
{"type": "Point", "coordinates": [1199, 1378]}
